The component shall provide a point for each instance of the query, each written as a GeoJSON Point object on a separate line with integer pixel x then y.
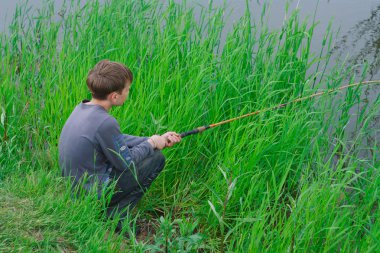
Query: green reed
{"type": "Point", "coordinates": [299, 182]}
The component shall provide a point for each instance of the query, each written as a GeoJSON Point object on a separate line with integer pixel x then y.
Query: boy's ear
{"type": "Point", "coordinates": [112, 95]}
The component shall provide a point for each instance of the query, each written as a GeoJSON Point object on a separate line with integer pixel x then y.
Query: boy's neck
{"type": "Point", "coordinates": [104, 103]}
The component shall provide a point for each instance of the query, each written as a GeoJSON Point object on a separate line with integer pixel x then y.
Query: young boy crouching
{"type": "Point", "coordinates": [91, 145]}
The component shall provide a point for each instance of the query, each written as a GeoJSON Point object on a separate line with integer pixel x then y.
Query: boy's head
{"type": "Point", "coordinates": [109, 80]}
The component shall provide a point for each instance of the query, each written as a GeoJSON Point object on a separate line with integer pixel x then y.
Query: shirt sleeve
{"type": "Point", "coordinates": [132, 140]}
{"type": "Point", "coordinates": [115, 145]}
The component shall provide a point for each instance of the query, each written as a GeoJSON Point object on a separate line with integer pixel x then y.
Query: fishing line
{"type": "Point", "coordinates": [203, 128]}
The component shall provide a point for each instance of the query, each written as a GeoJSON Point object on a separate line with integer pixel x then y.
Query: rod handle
{"type": "Point", "coordinates": [194, 131]}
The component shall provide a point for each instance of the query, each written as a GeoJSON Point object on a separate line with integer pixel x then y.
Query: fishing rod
{"type": "Point", "coordinates": [203, 128]}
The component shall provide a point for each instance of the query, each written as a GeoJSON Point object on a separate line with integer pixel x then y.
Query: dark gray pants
{"type": "Point", "coordinates": [132, 184]}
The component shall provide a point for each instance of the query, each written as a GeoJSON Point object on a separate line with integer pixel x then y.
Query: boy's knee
{"type": "Point", "coordinates": [152, 164]}
{"type": "Point", "coordinates": [159, 158]}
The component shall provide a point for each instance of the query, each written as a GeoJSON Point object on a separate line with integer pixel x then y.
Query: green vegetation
{"type": "Point", "coordinates": [285, 180]}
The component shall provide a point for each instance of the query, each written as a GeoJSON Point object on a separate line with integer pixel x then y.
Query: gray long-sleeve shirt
{"type": "Point", "coordinates": [91, 143]}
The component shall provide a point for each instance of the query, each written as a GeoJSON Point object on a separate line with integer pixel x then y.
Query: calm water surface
{"type": "Point", "coordinates": [357, 20]}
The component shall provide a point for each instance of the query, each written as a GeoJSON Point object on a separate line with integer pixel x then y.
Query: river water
{"type": "Point", "coordinates": [358, 22]}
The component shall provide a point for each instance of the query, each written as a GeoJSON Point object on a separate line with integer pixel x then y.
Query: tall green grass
{"type": "Point", "coordinates": [285, 180]}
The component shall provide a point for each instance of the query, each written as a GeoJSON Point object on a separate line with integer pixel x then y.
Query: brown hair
{"type": "Point", "coordinates": [107, 77]}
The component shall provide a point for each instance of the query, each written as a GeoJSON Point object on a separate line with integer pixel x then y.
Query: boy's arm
{"type": "Point", "coordinates": [132, 140]}
{"type": "Point", "coordinates": [115, 147]}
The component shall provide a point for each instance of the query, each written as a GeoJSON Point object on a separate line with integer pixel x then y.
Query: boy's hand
{"type": "Point", "coordinates": [171, 138]}
{"type": "Point", "coordinates": [157, 141]}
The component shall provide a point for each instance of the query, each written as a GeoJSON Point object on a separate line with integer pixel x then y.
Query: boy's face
{"type": "Point", "coordinates": [119, 99]}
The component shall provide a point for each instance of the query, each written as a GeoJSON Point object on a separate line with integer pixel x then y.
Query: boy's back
{"type": "Point", "coordinates": [78, 141]}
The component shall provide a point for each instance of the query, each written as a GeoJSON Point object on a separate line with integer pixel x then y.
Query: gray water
{"type": "Point", "coordinates": [358, 22]}
{"type": "Point", "coordinates": [358, 40]}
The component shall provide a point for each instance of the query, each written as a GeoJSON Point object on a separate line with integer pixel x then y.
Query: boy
{"type": "Point", "coordinates": [93, 151]}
